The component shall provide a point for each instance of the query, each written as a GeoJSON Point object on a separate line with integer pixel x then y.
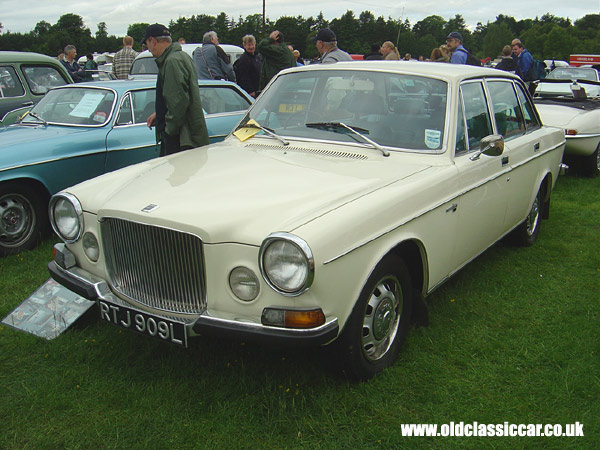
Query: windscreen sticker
{"type": "Point", "coordinates": [433, 138]}
{"type": "Point", "coordinates": [87, 105]}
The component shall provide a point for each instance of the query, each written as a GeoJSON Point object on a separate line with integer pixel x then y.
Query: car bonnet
{"type": "Point", "coordinates": [235, 193]}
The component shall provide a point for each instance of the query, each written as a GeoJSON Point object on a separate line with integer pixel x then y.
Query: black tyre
{"type": "Point", "coordinates": [527, 232]}
{"type": "Point", "coordinates": [590, 165]}
{"type": "Point", "coordinates": [379, 322]}
{"type": "Point", "coordinates": [23, 218]}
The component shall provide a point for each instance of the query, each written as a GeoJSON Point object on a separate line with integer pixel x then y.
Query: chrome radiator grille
{"type": "Point", "coordinates": [155, 266]}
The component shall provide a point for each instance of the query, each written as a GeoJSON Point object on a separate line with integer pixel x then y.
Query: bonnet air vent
{"type": "Point", "coordinates": [314, 151]}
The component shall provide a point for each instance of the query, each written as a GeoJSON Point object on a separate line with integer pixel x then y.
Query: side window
{"type": "Point", "coordinates": [461, 142]}
{"type": "Point", "coordinates": [10, 85]}
{"type": "Point", "coordinates": [528, 112]}
{"type": "Point", "coordinates": [125, 115]}
{"type": "Point", "coordinates": [42, 78]}
{"type": "Point", "coordinates": [476, 114]}
{"type": "Point", "coordinates": [222, 99]}
{"type": "Point", "coordinates": [143, 104]}
{"type": "Point", "coordinates": [507, 111]}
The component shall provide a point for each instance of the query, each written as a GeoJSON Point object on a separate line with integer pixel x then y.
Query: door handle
{"type": "Point", "coordinates": [536, 146]}
{"type": "Point", "coordinates": [504, 161]}
{"type": "Point", "coordinates": [452, 208]}
{"type": "Point", "coordinates": [30, 103]}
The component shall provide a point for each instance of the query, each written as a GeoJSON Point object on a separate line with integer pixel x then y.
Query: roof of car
{"type": "Point", "coordinates": [443, 70]}
{"type": "Point", "coordinates": [22, 57]}
{"type": "Point", "coordinates": [124, 85]}
{"type": "Point", "coordinates": [189, 49]}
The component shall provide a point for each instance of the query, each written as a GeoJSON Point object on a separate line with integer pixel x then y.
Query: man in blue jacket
{"type": "Point", "coordinates": [524, 59]}
{"type": "Point", "coordinates": [459, 53]}
{"type": "Point", "coordinates": [212, 63]}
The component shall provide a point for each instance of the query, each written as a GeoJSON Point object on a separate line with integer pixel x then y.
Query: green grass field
{"type": "Point", "coordinates": [513, 338]}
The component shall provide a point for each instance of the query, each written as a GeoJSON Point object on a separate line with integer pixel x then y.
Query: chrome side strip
{"type": "Point", "coordinates": [437, 205]}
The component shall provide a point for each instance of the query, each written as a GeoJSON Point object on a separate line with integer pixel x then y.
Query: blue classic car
{"type": "Point", "coordinates": [80, 131]}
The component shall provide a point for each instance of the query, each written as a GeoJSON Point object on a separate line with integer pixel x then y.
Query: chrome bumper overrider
{"type": "Point", "coordinates": [96, 289]}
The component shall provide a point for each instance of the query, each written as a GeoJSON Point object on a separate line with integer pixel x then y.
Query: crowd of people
{"type": "Point", "coordinates": [262, 60]}
{"type": "Point", "coordinates": [179, 121]}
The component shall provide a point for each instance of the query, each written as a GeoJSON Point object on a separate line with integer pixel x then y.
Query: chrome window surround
{"type": "Point", "coordinates": [78, 209]}
{"type": "Point", "coordinates": [304, 248]}
{"type": "Point", "coordinates": [155, 266]}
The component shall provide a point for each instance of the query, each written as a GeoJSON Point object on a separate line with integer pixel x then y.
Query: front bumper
{"type": "Point", "coordinates": [97, 289]}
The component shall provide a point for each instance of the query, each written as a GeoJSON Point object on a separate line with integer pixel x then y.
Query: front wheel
{"type": "Point", "coordinates": [23, 218]}
{"type": "Point", "coordinates": [379, 323]}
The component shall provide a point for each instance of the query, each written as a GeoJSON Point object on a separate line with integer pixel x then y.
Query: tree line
{"type": "Point", "coordinates": [547, 37]}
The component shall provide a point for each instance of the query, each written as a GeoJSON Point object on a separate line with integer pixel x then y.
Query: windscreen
{"type": "Point", "coordinates": [394, 110]}
{"type": "Point", "coordinates": [73, 106]}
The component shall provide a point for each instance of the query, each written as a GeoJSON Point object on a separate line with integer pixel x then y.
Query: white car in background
{"type": "Point", "coordinates": [347, 194]}
{"type": "Point", "coordinates": [144, 66]}
{"type": "Point", "coordinates": [573, 104]}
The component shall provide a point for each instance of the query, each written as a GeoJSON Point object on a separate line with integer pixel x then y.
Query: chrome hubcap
{"type": "Point", "coordinates": [15, 220]}
{"type": "Point", "coordinates": [534, 215]}
{"type": "Point", "coordinates": [381, 318]}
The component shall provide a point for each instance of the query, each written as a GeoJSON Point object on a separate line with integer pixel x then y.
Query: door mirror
{"type": "Point", "coordinates": [492, 145]}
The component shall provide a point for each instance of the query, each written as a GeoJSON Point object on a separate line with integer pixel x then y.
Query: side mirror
{"type": "Point", "coordinates": [492, 145]}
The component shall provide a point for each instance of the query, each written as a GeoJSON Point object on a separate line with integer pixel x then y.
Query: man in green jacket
{"type": "Point", "coordinates": [179, 118]}
{"type": "Point", "coordinates": [276, 56]}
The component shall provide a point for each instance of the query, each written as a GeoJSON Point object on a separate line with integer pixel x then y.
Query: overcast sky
{"type": "Point", "coordinates": [22, 15]}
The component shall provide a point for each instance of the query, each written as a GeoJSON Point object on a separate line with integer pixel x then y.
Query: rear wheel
{"type": "Point", "coordinates": [23, 218]}
{"type": "Point", "coordinates": [527, 232]}
{"type": "Point", "coordinates": [379, 322]}
{"type": "Point", "coordinates": [590, 165]}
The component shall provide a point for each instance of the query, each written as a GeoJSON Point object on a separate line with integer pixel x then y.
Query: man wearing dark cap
{"type": "Point", "coordinates": [326, 43]}
{"type": "Point", "coordinates": [276, 56]}
{"type": "Point", "coordinates": [179, 118]}
{"type": "Point", "coordinates": [459, 53]}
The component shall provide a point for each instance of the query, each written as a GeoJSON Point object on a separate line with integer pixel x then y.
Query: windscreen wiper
{"type": "Point", "coordinates": [268, 131]}
{"type": "Point", "coordinates": [360, 132]}
{"type": "Point", "coordinates": [36, 116]}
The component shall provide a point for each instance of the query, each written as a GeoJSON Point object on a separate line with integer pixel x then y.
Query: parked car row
{"type": "Point", "coordinates": [79, 131]}
{"type": "Point", "coordinates": [346, 194]}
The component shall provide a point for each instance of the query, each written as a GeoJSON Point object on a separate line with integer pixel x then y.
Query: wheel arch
{"type": "Point", "coordinates": [546, 186]}
{"type": "Point", "coordinates": [413, 252]}
{"type": "Point", "coordinates": [31, 183]}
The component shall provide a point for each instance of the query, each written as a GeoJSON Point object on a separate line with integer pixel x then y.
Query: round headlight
{"type": "Point", "coordinates": [90, 246]}
{"type": "Point", "coordinates": [244, 283]}
{"type": "Point", "coordinates": [287, 264]}
{"type": "Point", "coordinates": [67, 217]}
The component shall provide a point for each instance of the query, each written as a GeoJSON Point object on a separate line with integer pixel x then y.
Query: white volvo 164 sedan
{"type": "Point", "coordinates": [347, 193]}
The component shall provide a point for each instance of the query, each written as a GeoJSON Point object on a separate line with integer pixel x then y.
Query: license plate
{"type": "Point", "coordinates": [291, 108]}
{"type": "Point", "coordinates": [144, 323]}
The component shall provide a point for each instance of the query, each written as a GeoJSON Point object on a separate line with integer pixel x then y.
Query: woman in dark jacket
{"type": "Point", "coordinates": [508, 63]}
{"type": "Point", "coordinates": [247, 67]}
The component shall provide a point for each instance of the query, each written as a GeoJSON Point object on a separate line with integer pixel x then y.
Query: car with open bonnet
{"type": "Point", "coordinates": [347, 194]}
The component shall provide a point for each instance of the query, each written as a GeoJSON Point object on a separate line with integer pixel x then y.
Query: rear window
{"type": "Point", "coordinates": [144, 66]}
{"type": "Point", "coordinates": [42, 78]}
